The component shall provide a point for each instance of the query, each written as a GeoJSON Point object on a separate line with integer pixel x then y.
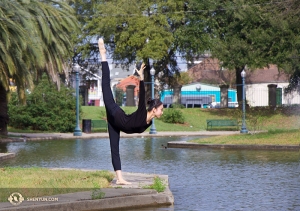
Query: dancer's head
{"type": "Point", "coordinates": [155, 106]}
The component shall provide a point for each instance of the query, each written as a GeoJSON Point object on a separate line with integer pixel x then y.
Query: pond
{"type": "Point", "coordinates": [200, 179]}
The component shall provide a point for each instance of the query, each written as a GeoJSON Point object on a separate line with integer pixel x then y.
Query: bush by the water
{"type": "Point", "coordinates": [173, 115]}
{"type": "Point", "coordinates": [47, 109]}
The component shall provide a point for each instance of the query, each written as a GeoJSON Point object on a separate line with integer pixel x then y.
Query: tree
{"type": "Point", "coordinates": [135, 30]}
{"type": "Point", "coordinates": [288, 24]}
{"type": "Point", "coordinates": [240, 33]}
{"type": "Point", "coordinates": [236, 33]}
{"type": "Point", "coordinates": [35, 38]}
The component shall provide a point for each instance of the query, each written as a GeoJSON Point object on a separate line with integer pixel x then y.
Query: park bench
{"type": "Point", "coordinates": [99, 125]}
{"type": "Point", "coordinates": [222, 123]}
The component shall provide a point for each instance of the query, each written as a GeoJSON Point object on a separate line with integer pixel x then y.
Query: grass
{"type": "Point", "coordinates": [195, 118]}
{"type": "Point", "coordinates": [158, 185]}
{"type": "Point", "coordinates": [272, 137]}
{"type": "Point", "coordinates": [11, 129]}
{"type": "Point", "coordinates": [282, 124]}
{"type": "Point", "coordinates": [36, 182]}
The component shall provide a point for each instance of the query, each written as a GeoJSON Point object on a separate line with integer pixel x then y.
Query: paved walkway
{"type": "Point", "coordinates": [51, 136]}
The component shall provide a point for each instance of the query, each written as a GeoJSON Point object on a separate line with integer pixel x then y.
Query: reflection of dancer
{"type": "Point", "coordinates": [136, 122]}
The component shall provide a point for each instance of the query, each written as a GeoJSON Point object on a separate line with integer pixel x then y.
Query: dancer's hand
{"type": "Point", "coordinates": [141, 71]}
{"type": "Point", "coordinates": [102, 49]}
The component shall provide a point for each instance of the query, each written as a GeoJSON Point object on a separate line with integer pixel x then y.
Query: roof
{"type": "Point", "coordinates": [130, 80]}
{"type": "Point", "coordinates": [269, 74]}
{"type": "Point", "coordinates": [210, 71]}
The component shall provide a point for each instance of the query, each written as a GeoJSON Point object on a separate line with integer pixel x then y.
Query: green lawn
{"type": "Point", "coordinates": [195, 118]}
{"type": "Point", "coordinates": [272, 137]}
{"type": "Point", "coordinates": [282, 123]}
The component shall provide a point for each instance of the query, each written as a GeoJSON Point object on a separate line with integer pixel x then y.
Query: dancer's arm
{"type": "Point", "coordinates": [102, 49]}
{"type": "Point", "coordinates": [141, 87]}
{"type": "Point", "coordinates": [142, 104]}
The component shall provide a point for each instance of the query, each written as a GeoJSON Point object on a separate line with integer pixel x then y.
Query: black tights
{"type": "Point", "coordinates": [111, 108]}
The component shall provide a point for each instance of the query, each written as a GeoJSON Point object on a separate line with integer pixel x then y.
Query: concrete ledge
{"type": "Point", "coordinates": [146, 199]}
{"type": "Point", "coordinates": [6, 155]}
{"type": "Point", "coordinates": [184, 144]}
{"type": "Point", "coordinates": [116, 198]}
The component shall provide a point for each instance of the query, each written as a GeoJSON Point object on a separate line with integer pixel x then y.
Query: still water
{"type": "Point", "coordinates": [200, 179]}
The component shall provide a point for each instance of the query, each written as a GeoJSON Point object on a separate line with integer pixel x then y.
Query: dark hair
{"type": "Point", "coordinates": [153, 103]}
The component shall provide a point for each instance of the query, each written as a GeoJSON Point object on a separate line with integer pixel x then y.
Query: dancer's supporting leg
{"type": "Point", "coordinates": [111, 106]}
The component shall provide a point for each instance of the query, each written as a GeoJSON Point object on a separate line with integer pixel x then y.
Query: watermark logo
{"type": "Point", "coordinates": [15, 198]}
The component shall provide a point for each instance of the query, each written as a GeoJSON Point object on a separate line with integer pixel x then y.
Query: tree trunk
{"type": "Point", "coordinates": [177, 94]}
{"type": "Point", "coordinates": [3, 111]}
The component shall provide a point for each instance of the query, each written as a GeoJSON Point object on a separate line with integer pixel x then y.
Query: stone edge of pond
{"type": "Point", "coordinates": [129, 196]}
{"type": "Point", "coordinates": [8, 155]}
{"type": "Point", "coordinates": [184, 144]}
{"type": "Point", "coordinates": [23, 137]}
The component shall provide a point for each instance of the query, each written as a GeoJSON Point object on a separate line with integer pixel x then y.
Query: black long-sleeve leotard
{"type": "Point", "coordinates": [118, 120]}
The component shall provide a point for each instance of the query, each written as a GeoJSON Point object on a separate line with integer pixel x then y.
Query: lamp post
{"type": "Point", "coordinates": [244, 129]}
{"type": "Point", "coordinates": [152, 72]}
{"type": "Point", "coordinates": [77, 130]}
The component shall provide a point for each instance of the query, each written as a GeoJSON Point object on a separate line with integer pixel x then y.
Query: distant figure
{"type": "Point", "coordinates": [136, 122]}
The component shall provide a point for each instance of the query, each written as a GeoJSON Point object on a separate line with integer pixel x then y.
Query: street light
{"type": "Point", "coordinates": [152, 129]}
{"type": "Point", "coordinates": [244, 129]}
{"type": "Point", "coordinates": [77, 130]}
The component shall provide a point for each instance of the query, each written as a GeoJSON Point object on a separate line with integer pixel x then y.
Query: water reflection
{"type": "Point", "coordinates": [3, 147]}
{"type": "Point", "coordinates": [200, 179]}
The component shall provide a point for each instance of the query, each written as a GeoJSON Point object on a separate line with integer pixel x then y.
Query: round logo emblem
{"type": "Point", "coordinates": [15, 198]}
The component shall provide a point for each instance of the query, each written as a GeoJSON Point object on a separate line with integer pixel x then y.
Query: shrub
{"type": "Point", "coordinates": [47, 109]}
{"type": "Point", "coordinates": [177, 105]}
{"type": "Point", "coordinates": [173, 115]}
{"type": "Point", "coordinates": [119, 96]}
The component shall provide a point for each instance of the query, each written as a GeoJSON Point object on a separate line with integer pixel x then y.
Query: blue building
{"type": "Point", "coordinates": [199, 95]}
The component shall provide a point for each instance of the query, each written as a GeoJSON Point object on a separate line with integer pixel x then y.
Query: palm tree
{"type": "Point", "coordinates": [35, 36]}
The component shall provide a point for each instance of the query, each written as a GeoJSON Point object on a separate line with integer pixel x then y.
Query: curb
{"type": "Point", "coordinates": [184, 144]}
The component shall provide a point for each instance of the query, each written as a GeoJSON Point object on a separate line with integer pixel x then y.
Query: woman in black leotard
{"type": "Point", "coordinates": [136, 122]}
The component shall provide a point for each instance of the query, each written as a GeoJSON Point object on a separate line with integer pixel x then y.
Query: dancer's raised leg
{"type": "Point", "coordinates": [111, 106]}
{"type": "Point", "coordinates": [106, 89]}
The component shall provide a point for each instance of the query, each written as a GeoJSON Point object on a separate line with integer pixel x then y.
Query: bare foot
{"type": "Point", "coordinates": [102, 49]}
{"type": "Point", "coordinates": [122, 182]}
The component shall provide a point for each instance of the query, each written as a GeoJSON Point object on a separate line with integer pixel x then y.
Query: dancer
{"type": "Point", "coordinates": [136, 122]}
